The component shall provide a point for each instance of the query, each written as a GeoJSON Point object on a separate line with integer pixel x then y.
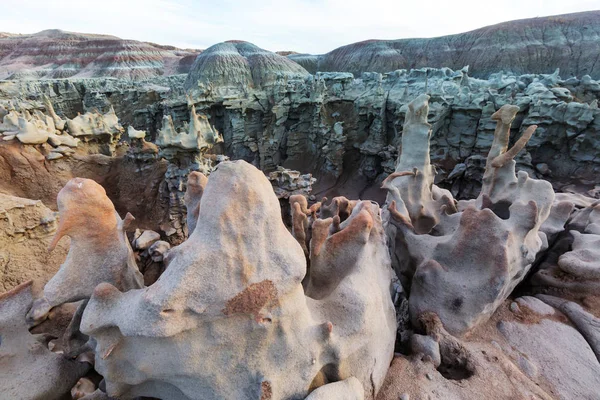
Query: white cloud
{"type": "Point", "coordinates": [313, 26]}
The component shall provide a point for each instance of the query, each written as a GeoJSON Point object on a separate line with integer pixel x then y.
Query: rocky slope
{"type": "Point", "coordinates": [570, 42]}
{"type": "Point", "coordinates": [59, 54]}
{"type": "Point", "coordinates": [240, 65]}
{"type": "Point", "coordinates": [347, 131]}
{"type": "Point", "coordinates": [243, 294]}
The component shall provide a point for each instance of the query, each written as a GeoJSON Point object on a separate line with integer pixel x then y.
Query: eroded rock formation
{"type": "Point", "coordinates": [99, 250]}
{"type": "Point", "coordinates": [537, 45]}
{"type": "Point", "coordinates": [240, 65]}
{"type": "Point", "coordinates": [29, 369]}
{"type": "Point", "coordinates": [436, 245]}
{"type": "Point", "coordinates": [307, 311]}
{"type": "Point", "coordinates": [239, 276]}
{"type": "Point", "coordinates": [26, 229]}
{"type": "Point", "coordinates": [58, 54]}
{"type": "Point", "coordinates": [338, 126]}
{"type": "Point", "coordinates": [251, 287]}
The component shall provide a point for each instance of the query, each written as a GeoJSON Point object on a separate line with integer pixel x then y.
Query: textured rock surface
{"type": "Point", "coordinates": [287, 183]}
{"type": "Point", "coordinates": [517, 354]}
{"type": "Point", "coordinates": [237, 277]}
{"type": "Point", "coordinates": [243, 308]}
{"type": "Point", "coordinates": [58, 54]}
{"type": "Point", "coordinates": [436, 245]}
{"type": "Point", "coordinates": [241, 66]}
{"type": "Point", "coordinates": [337, 127]}
{"type": "Point", "coordinates": [26, 230]}
{"type": "Point", "coordinates": [571, 268]}
{"type": "Point", "coordinates": [348, 389]}
{"type": "Point", "coordinates": [586, 323]}
{"type": "Point", "coordinates": [576, 375]}
{"type": "Point", "coordinates": [99, 250]}
{"type": "Point", "coordinates": [29, 369]}
{"type": "Point", "coordinates": [537, 45]}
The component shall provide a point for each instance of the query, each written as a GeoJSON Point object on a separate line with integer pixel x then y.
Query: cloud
{"type": "Point", "coordinates": [312, 26]}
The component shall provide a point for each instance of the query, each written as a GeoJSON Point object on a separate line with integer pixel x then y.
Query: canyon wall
{"type": "Point", "coordinates": [346, 130]}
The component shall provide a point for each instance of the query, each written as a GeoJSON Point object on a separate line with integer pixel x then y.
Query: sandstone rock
{"type": "Point", "coordinates": [571, 268]}
{"type": "Point", "coordinates": [240, 64]}
{"type": "Point", "coordinates": [296, 123]}
{"type": "Point", "coordinates": [425, 345]}
{"type": "Point", "coordinates": [29, 134]}
{"type": "Point", "coordinates": [54, 156]}
{"type": "Point", "coordinates": [561, 355]}
{"type": "Point", "coordinates": [536, 305]}
{"type": "Point", "coordinates": [264, 303]}
{"type": "Point", "coordinates": [97, 395]}
{"type": "Point", "coordinates": [482, 365]}
{"type": "Point", "coordinates": [93, 124]}
{"type": "Point", "coordinates": [29, 369]}
{"type": "Point", "coordinates": [437, 244]}
{"type": "Point", "coordinates": [99, 250]}
{"type": "Point", "coordinates": [287, 183]}
{"type": "Point", "coordinates": [193, 196]}
{"type": "Point", "coordinates": [348, 389]}
{"type": "Point", "coordinates": [587, 324]}
{"type": "Point", "coordinates": [159, 250]}
{"type": "Point", "coordinates": [200, 136]}
{"type": "Point", "coordinates": [146, 239]}
{"type": "Point", "coordinates": [26, 229]}
{"type": "Point", "coordinates": [133, 133]}
{"type": "Point", "coordinates": [82, 388]}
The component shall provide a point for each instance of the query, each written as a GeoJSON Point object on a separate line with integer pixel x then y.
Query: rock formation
{"type": "Point", "coordinates": [336, 126]}
{"type": "Point", "coordinates": [238, 279]}
{"type": "Point", "coordinates": [93, 124]}
{"type": "Point", "coordinates": [538, 45]}
{"type": "Point", "coordinates": [571, 268]}
{"type": "Point", "coordinates": [29, 369]}
{"type": "Point", "coordinates": [26, 229]}
{"type": "Point", "coordinates": [239, 276]}
{"type": "Point", "coordinates": [99, 250]}
{"type": "Point", "coordinates": [437, 245]}
{"type": "Point", "coordinates": [307, 311]}
{"type": "Point", "coordinates": [58, 54]}
{"type": "Point", "coordinates": [39, 128]}
{"type": "Point", "coordinates": [241, 66]}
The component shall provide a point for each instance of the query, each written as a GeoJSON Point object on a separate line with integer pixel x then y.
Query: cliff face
{"type": "Point", "coordinates": [58, 54]}
{"type": "Point", "coordinates": [347, 131]}
{"type": "Point", "coordinates": [570, 42]}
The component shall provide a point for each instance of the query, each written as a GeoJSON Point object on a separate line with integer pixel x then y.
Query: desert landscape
{"type": "Point", "coordinates": [404, 219]}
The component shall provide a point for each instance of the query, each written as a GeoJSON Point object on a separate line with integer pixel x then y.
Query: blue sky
{"type": "Point", "coordinates": [310, 26]}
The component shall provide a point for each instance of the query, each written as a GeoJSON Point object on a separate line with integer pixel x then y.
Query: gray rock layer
{"type": "Point", "coordinates": [347, 131]}
{"type": "Point", "coordinates": [569, 42]}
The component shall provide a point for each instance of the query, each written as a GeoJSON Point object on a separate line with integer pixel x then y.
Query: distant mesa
{"type": "Point", "coordinates": [570, 42]}
{"type": "Point", "coordinates": [237, 63]}
{"type": "Point", "coordinates": [55, 53]}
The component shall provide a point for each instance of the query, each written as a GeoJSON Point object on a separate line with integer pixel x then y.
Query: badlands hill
{"type": "Point", "coordinates": [570, 42]}
{"type": "Point", "coordinates": [240, 63]}
{"type": "Point", "coordinates": [59, 54]}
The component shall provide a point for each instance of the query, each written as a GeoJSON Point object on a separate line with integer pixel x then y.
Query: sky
{"type": "Point", "coordinates": [305, 26]}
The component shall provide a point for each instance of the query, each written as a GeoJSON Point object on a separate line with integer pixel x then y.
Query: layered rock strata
{"type": "Point", "coordinates": [56, 54]}
{"type": "Point", "coordinates": [336, 126]}
{"type": "Point", "coordinates": [537, 45]}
